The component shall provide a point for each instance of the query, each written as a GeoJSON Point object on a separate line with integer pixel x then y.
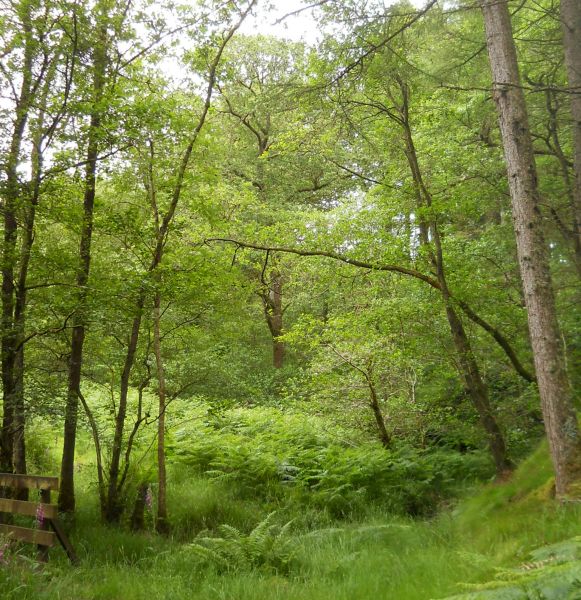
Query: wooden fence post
{"type": "Point", "coordinates": [42, 523]}
{"type": "Point", "coordinates": [44, 512]}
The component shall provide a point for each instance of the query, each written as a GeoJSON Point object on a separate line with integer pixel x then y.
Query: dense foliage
{"type": "Point", "coordinates": [259, 293]}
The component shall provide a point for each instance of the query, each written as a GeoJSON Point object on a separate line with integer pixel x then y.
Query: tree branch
{"type": "Point", "coordinates": [469, 312]}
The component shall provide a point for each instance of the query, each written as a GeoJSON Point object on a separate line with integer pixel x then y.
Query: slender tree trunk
{"type": "Point", "coordinates": [161, 522]}
{"type": "Point", "coordinates": [21, 290]}
{"type": "Point", "coordinates": [113, 508]}
{"type": "Point", "coordinates": [278, 349]}
{"type": "Point", "coordinates": [19, 450]}
{"type": "Point", "coordinates": [98, 451]}
{"type": "Point", "coordinates": [113, 505]}
{"type": "Point", "coordinates": [384, 436]}
{"type": "Point", "coordinates": [66, 501]}
{"type": "Point", "coordinates": [274, 311]}
{"type": "Point", "coordinates": [556, 395]}
{"type": "Point", "coordinates": [20, 326]}
{"type": "Point", "coordinates": [471, 376]}
{"type": "Point", "coordinates": [11, 197]}
{"type": "Point", "coordinates": [477, 389]}
{"type": "Point", "coordinates": [467, 363]}
{"type": "Point", "coordinates": [571, 26]}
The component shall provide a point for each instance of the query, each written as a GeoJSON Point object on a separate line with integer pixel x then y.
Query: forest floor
{"type": "Point", "coordinates": [504, 541]}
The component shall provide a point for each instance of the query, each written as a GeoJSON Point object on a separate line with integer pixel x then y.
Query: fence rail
{"type": "Point", "coordinates": [43, 511]}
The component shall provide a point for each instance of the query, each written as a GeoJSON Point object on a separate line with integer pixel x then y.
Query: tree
{"type": "Point", "coordinates": [116, 477]}
{"type": "Point", "coordinates": [571, 26]}
{"type": "Point", "coordinates": [39, 51]}
{"type": "Point", "coordinates": [102, 46]}
{"type": "Point", "coordinates": [259, 92]}
{"type": "Point", "coordinates": [556, 396]}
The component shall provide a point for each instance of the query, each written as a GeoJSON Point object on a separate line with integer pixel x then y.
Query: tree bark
{"type": "Point", "coordinates": [384, 436]}
{"type": "Point", "coordinates": [556, 395]}
{"type": "Point", "coordinates": [66, 501]}
{"type": "Point", "coordinates": [571, 27]}
{"type": "Point", "coordinates": [467, 363]}
{"type": "Point", "coordinates": [11, 196]}
{"type": "Point", "coordinates": [113, 507]}
{"type": "Point", "coordinates": [161, 522]}
{"type": "Point", "coordinates": [274, 311]}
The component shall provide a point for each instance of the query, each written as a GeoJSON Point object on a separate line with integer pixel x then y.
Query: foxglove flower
{"type": "Point", "coordinates": [39, 515]}
{"type": "Point", "coordinates": [149, 498]}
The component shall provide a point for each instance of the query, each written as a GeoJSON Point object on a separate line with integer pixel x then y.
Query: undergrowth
{"type": "Point", "coordinates": [287, 459]}
{"type": "Point", "coordinates": [508, 541]}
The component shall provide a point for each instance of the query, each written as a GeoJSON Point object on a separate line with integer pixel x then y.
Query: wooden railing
{"type": "Point", "coordinates": [43, 511]}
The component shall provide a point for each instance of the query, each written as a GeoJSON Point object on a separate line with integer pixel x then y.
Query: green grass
{"type": "Point", "coordinates": [375, 555]}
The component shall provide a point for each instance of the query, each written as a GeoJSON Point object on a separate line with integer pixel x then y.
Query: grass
{"type": "Point", "coordinates": [374, 555]}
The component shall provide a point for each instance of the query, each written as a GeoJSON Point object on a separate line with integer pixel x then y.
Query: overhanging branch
{"type": "Point", "coordinates": [468, 311]}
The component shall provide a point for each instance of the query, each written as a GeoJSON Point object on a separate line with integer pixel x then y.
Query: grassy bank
{"type": "Point", "coordinates": [502, 541]}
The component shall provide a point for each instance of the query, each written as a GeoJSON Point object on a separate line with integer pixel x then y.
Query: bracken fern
{"type": "Point", "coordinates": [268, 546]}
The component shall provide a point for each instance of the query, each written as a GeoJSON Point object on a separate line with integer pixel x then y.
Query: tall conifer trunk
{"type": "Point", "coordinates": [571, 26]}
{"type": "Point", "coordinates": [556, 395]}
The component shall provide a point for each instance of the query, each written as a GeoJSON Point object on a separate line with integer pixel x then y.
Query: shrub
{"type": "Point", "coordinates": [278, 457]}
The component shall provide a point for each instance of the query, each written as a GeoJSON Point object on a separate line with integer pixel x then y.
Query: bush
{"type": "Point", "coordinates": [280, 458]}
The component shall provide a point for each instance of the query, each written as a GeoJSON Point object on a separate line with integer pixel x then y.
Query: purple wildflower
{"type": "Point", "coordinates": [149, 498]}
{"type": "Point", "coordinates": [39, 515]}
{"type": "Point", "coordinates": [3, 557]}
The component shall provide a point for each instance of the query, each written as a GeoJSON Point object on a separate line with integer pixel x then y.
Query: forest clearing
{"type": "Point", "coordinates": [291, 299]}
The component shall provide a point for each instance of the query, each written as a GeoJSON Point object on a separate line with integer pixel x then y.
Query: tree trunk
{"type": "Point", "coordinates": [20, 323]}
{"type": "Point", "coordinates": [477, 390]}
{"type": "Point", "coordinates": [19, 440]}
{"type": "Point", "coordinates": [467, 363]}
{"type": "Point", "coordinates": [113, 508]}
{"type": "Point", "coordinates": [571, 26]}
{"type": "Point", "coordinates": [137, 522]}
{"type": "Point", "coordinates": [384, 436]}
{"type": "Point", "coordinates": [472, 378]}
{"type": "Point", "coordinates": [556, 396]}
{"type": "Point", "coordinates": [274, 311]}
{"type": "Point", "coordinates": [11, 195]}
{"type": "Point", "coordinates": [276, 321]}
{"type": "Point", "coordinates": [66, 501]}
{"type": "Point", "coordinates": [161, 522]}
{"type": "Point", "coordinates": [113, 505]}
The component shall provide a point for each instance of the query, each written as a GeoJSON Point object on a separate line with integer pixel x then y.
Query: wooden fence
{"type": "Point", "coordinates": [48, 529]}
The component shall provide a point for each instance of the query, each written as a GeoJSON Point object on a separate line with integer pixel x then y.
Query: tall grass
{"type": "Point", "coordinates": [484, 540]}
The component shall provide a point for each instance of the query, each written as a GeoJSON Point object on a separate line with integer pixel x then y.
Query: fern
{"type": "Point", "coordinates": [554, 575]}
{"type": "Point", "coordinates": [267, 546]}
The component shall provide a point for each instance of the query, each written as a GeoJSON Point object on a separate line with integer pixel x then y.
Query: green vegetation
{"type": "Point", "coordinates": [511, 538]}
{"type": "Point", "coordinates": [291, 318]}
